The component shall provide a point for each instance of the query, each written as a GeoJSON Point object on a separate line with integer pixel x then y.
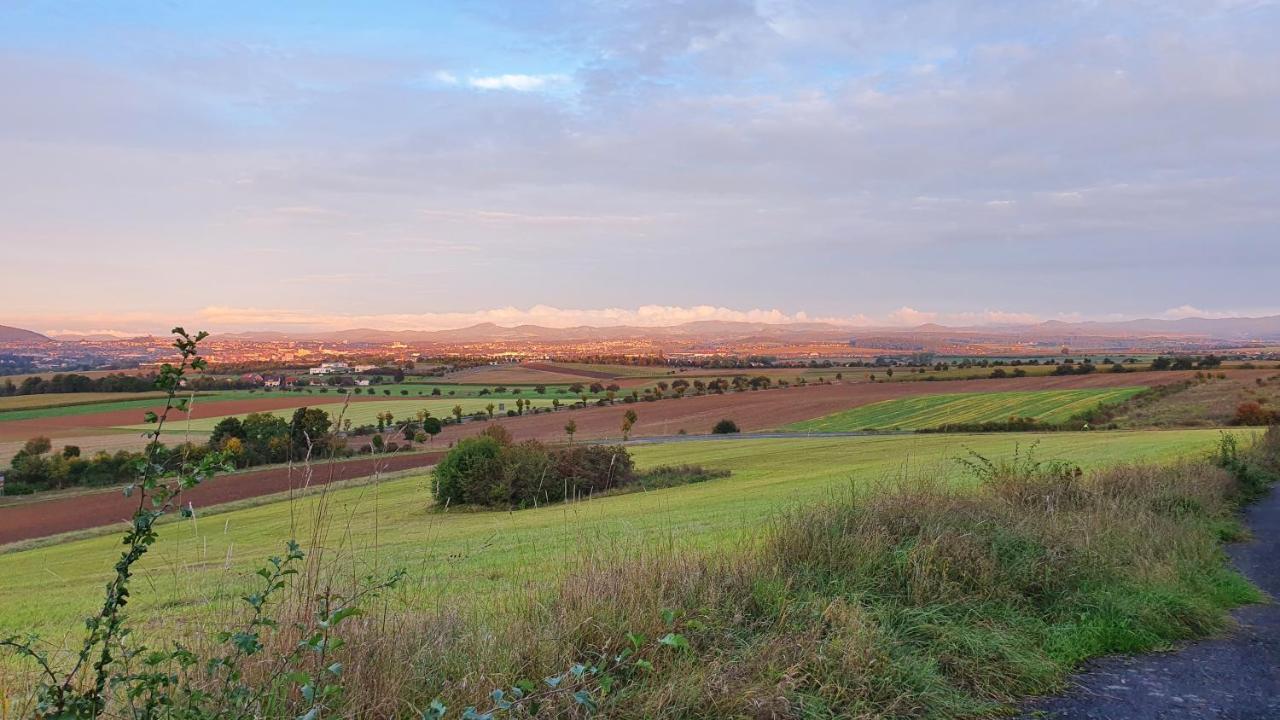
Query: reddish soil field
{"type": "Point", "coordinates": [94, 423]}
{"type": "Point", "coordinates": [753, 411]}
{"type": "Point", "coordinates": [40, 518]}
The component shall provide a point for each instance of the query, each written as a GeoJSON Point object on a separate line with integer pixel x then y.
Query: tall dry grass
{"type": "Point", "coordinates": [917, 599]}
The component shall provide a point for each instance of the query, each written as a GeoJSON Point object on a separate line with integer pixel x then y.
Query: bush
{"type": "Point", "coordinates": [468, 473]}
{"type": "Point", "coordinates": [665, 476]}
{"type": "Point", "coordinates": [490, 470]}
{"type": "Point", "coordinates": [1252, 413]}
{"type": "Point", "coordinates": [725, 427]}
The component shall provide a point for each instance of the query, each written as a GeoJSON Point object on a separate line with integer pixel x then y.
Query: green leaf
{"type": "Point", "coordinates": [435, 711]}
{"type": "Point", "coordinates": [676, 641]}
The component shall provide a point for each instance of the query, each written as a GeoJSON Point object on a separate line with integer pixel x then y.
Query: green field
{"type": "Point", "coordinates": [110, 402]}
{"type": "Point", "coordinates": [366, 413]}
{"type": "Point", "coordinates": [931, 411]}
{"type": "Point", "coordinates": [203, 564]}
{"type": "Point", "coordinates": [42, 401]}
{"type": "Point", "coordinates": [461, 389]}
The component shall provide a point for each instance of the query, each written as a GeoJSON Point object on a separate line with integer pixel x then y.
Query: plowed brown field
{"type": "Point", "coordinates": [95, 423]}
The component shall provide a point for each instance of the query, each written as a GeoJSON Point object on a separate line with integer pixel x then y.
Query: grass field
{"type": "Point", "coordinates": [110, 402]}
{"type": "Point", "coordinates": [58, 400]}
{"type": "Point", "coordinates": [930, 411]}
{"type": "Point", "coordinates": [203, 564]}
{"type": "Point", "coordinates": [467, 389]}
{"type": "Point", "coordinates": [366, 413]}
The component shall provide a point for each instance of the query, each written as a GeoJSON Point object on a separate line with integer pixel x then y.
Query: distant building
{"type": "Point", "coordinates": [331, 368]}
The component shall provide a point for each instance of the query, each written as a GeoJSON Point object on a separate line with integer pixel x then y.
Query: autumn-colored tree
{"type": "Point", "coordinates": [628, 421]}
{"type": "Point", "coordinates": [570, 428]}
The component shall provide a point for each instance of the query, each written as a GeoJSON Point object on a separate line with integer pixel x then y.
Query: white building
{"type": "Point", "coordinates": [331, 368]}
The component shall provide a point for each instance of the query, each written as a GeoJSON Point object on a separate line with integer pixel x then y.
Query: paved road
{"type": "Point", "coordinates": [1236, 677]}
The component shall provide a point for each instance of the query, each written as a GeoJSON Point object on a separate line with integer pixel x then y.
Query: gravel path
{"type": "Point", "coordinates": [1236, 677]}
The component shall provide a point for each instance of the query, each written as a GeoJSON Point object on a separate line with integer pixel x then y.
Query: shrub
{"type": "Point", "coordinates": [468, 473]}
{"type": "Point", "coordinates": [484, 470]}
{"type": "Point", "coordinates": [588, 469]}
{"type": "Point", "coordinates": [725, 427]}
{"type": "Point", "coordinates": [665, 476]}
{"type": "Point", "coordinates": [1252, 413]}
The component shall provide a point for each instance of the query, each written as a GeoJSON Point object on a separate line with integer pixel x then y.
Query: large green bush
{"type": "Point", "coordinates": [491, 470]}
{"type": "Point", "coordinates": [469, 472]}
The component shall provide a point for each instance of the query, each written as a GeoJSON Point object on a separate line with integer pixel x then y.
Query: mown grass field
{"type": "Point", "coordinates": [930, 411]}
{"type": "Point", "coordinates": [366, 413]}
{"type": "Point", "coordinates": [203, 564]}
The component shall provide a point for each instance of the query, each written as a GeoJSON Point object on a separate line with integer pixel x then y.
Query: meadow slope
{"type": "Point", "coordinates": [202, 564]}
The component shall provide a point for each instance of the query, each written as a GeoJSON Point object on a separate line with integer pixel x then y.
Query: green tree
{"type": "Point", "coordinates": [432, 426]}
{"type": "Point", "coordinates": [228, 427]}
{"type": "Point", "coordinates": [309, 432]}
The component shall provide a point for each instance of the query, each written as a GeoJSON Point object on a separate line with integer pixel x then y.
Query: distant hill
{"type": "Point", "coordinates": [718, 331]}
{"type": "Point", "coordinates": [18, 335]}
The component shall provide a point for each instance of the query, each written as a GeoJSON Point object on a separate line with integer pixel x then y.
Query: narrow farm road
{"type": "Point", "coordinates": [1236, 677]}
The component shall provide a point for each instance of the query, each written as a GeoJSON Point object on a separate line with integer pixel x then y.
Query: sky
{"type": "Point", "coordinates": [251, 165]}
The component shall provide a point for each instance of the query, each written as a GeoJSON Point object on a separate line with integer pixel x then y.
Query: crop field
{"type": "Point", "coordinates": [512, 375]}
{"type": "Point", "coordinates": [54, 400]}
{"type": "Point", "coordinates": [203, 564]}
{"type": "Point", "coordinates": [366, 413]}
{"type": "Point", "coordinates": [68, 404]}
{"type": "Point", "coordinates": [930, 411]}
{"type": "Point", "coordinates": [467, 389]}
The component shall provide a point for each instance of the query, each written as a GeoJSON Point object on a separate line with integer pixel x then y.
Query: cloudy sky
{"type": "Point", "coordinates": [409, 164]}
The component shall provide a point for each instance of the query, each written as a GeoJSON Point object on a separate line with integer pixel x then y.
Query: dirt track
{"type": "Point", "coordinates": [753, 411]}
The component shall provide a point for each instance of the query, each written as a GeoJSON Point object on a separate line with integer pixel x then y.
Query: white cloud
{"type": "Point", "coordinates": [910, 316]}
{"type": "Point", "coordinates": [1188, 311]}
{"type": "Point", "coordinates": [545, 315]}
{"type": "Point", "coordinates": [521, 83]}
{"type": "Point", "coordinates": [445, 77]}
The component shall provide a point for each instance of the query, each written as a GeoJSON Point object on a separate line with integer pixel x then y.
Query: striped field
{"type": "Point", "coordinates": [931, 411]}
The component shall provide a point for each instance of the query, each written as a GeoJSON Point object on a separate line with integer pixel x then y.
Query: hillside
{"type": "Point", "coordinates": [18, 335]}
